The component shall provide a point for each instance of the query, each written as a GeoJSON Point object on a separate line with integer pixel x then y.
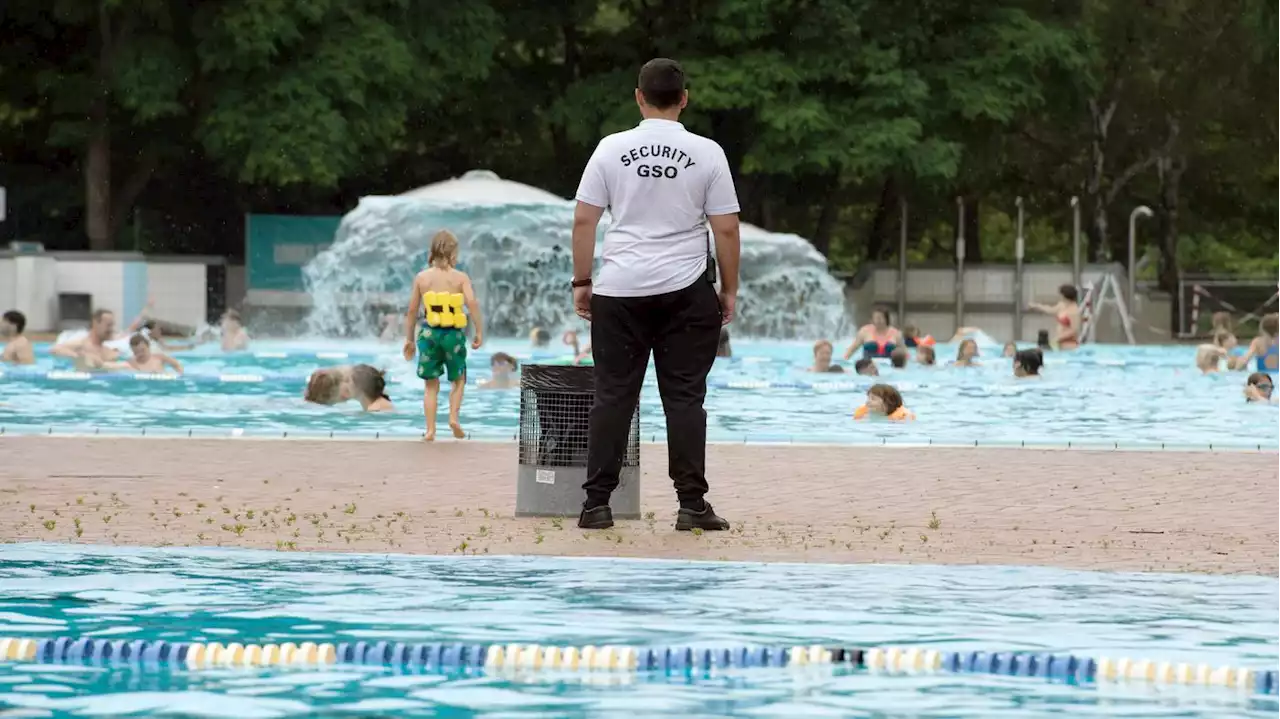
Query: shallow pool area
{"type": "Point", "coordinates": [245, 596]}
{"type": "Point", "coordinates": [1147, 396]}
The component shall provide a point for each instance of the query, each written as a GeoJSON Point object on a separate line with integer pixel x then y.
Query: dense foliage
{"type": "Point", "coordinates": [158, 123]}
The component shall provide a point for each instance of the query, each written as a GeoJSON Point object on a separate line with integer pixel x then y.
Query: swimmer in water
{"type": "Point", "coordinates": [91, 352]}
{"type": "Point", "coordinates": [822, 353]}
{"type": "Point", "coordinates": [912, 338]}
{"type": "Point", "coordinates": [17, 348]}
{"type": "Point", "coordinates": [570, 338]}
{"type": "Point", "coordinates": [146, 360]}
{"type": "Point", "coordinates": [899, 356]}
{"type": "Point", "coordinates": [234, 338]}
{"type": "Point", "coordinates": [540, 337]}
{"type": "Point", "coordinates": [1067, 313]}
{"type": "Point", "coordinates": [883, 401]}
{"type": "Point", "coordinates": [335, 385]}
{"type": "Point", "coordinates": [502, 368]}
{"type": "Point", "coordinates": [1259, 388]}
{"type": "Point", "coordinates": [877, 339]}
{"type": "Point", "coordinates": [866, 367]}
{"type": "Point", "coordinates": [1223, 322]}
{"type": "Point", "coordinates": [967, 354]}
{"type": "Point", "coordinates": [1208, 356]}
{"type": "Point", "coordinates": [1027, 363]}
{"type": "Point", "coordinates": [926, 356]}
{"type": "Point", "coordinates": [1263, 348]}
{"type": "Point", "coordinates": [443, 350]}
{"type": "Point", "coordinates": [1010, 349]}
{"type": "Point", "coordinates": [722, 348]}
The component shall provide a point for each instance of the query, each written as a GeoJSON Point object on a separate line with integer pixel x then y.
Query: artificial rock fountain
{"type": "Point", "coordinates": [515, 244]}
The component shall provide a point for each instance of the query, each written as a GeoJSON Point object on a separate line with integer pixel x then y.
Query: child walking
{"type": "Point", "coordinates": [441, 340]}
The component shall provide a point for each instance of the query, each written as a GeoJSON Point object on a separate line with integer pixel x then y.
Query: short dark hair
{"type": "Point", "coordinates": [17, 319]}
{"type": "Point", "coordinates": [899, 356]}
{"type": "Point", "coordinates": [862, 364]}
{"type": "Point", "coordinates": [661, 83]}
{"type": "Point", "coordinates": [503, 357]}
{"type": "Point", "coordinates": [1030, 360]}
{"type": "Point", "coordinates": [138, 340]}
{"type": "Point", "coordinates": [925, 355]}
{"type": "Point", "coordinates": [1069, 293]}
{"type": "Point", "coordinates": [99, 314]}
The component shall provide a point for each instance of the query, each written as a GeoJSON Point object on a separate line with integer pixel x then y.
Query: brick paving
{"type": "Point", "coordinates": [1123, 510]}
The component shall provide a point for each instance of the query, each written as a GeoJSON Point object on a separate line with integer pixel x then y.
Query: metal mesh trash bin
{"type": "Point", "coordinates": [555, 404]}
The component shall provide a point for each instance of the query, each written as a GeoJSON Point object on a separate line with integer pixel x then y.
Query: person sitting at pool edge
{"type": "Point", "coordinates": [1259, 387]}
{"type": "Point", "coordinates": [17, 348]}
{"type": "Point", "coordinates": [926, 356]}
{"type": "Point", "coordinates": [1027, 363]}
{"type": "Point", "coordinates": [335, 385]}
{"type": "Point", "coordinates": [866, 367]}
{"type": "Point", "coordinates": [883, 401]}
{"type": "Point", "coordinates": [899, 356]}
{"type": "Point", "coordinates": [502, 368]}
{"type": "Point", "coordinates": [822, 352]}
{"type": "Point", "coordinates": [876, 339]}
{"type": "Point", "coordinates": [967, 354]}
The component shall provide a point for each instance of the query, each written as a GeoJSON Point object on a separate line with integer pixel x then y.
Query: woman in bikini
{"type": "Point", "coordinates": [877, 339]}
{"type": "Point", "coordinates": [1067, 312]}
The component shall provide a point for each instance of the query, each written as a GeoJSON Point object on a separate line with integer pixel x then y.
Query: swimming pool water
{"type": "Point", "coordinates": [247, 596]}
{"type": "Point", "coordinates": [1099, 394]}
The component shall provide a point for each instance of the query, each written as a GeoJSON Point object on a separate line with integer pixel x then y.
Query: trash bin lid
{"type": "Point", "coordinates": [557, 376]}
{"type": "Point", "coordinates": [567, 360]}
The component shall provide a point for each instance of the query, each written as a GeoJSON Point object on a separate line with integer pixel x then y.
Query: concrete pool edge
{"type": "Point", "coordinates": [35, 431]}
{"type": "Point", "coordinates": [256, 554]}
{"type": "Point", "coordinates": [1212, 513]}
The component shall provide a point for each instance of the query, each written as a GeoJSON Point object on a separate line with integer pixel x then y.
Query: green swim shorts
{"type": "Point", "coordinates": [441, 351]}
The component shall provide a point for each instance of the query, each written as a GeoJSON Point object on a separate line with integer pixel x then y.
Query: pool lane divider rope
{"type": "Point", "coordinates": [903, 660]}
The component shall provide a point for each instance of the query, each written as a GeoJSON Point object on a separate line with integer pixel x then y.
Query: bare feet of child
{"type": "Point", "coordinates": [429, 437]}
{"type": "Point", "coordinates": [456, 426]}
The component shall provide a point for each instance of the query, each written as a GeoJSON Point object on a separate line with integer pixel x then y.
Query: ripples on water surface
{"type": "Point", "coordinates": [244, 596]}
{"type": "Point", "coordinates": [1102, 393]}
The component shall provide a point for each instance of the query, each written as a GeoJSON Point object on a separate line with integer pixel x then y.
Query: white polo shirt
{"type": "Point", "coordinates": [659, 182]}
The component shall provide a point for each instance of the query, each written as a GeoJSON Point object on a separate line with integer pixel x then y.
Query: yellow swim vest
{"type": "Point", "coordinates": [444, 309]}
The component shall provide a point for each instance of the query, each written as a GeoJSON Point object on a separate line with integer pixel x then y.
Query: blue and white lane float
{"type": "Point", "coordinates": [448, 656]}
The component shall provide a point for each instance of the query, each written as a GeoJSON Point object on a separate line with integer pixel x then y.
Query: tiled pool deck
{"type": "Point", "coordinates": [1214, 512]}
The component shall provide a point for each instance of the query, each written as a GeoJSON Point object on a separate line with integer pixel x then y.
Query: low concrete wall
{"type": "Point", "coordinates": [122, 282]}
{"type": "Point", "coordinates": [989, 301]}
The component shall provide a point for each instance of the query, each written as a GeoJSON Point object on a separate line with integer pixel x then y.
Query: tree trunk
{"type": "Point", "coordinates": [97, 161]}
{"type": "Point", "coordinates": [883, 221]}
{"type": "Point", "coordinates": [972, 232]}
{"type": "Point", "coordinates": [1170, 166]}
{"type": "Point", "coordinates": [1100, 121]}
{"type": "Point", "coordinates": [827, 216]}
{"type": "Point", "coordinates": [97, 184]}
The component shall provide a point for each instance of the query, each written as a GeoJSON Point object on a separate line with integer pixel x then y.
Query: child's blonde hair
{"type": "Point", "coordinates": [444, 248]}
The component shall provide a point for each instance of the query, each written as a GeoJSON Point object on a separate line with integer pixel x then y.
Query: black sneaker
{"type": "Point", "coordinates": [596, 518]}
{"type": "Point", "coordinates": [687, 520]}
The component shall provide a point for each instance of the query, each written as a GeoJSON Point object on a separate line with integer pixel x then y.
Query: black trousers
{"type": "Point", "coordinates": [681, 329]}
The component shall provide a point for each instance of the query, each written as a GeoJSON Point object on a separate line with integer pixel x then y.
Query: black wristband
{"type": "Point", "coordinates": [581, 283]}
